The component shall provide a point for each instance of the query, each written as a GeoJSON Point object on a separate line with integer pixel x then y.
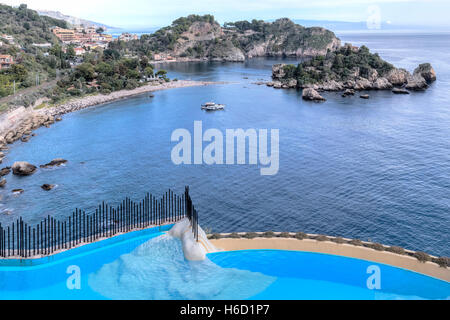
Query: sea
{"type": "Point", "coordinates": [376, 169]}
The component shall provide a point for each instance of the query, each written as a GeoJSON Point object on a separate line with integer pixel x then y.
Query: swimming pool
{"type": "Point", "coordinates": [150, 265]}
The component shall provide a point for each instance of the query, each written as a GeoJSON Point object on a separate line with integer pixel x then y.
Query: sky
{"type": "Point", "coordinates": [157, 13]}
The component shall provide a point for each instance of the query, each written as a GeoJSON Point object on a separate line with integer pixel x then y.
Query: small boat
{"type": "Point", "coordinates": [211, 106]}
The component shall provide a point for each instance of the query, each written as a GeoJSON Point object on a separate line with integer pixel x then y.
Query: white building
{"type": "Point", "coordinates": [7, 37]}
{"type": "Point", "coordinates": [42, 45]}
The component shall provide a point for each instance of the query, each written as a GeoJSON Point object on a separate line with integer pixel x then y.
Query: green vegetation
{"type": "Point", "coordinates": [395, 249]}
{"type": "Point", "coordinates": [422, 256]}
{"type": "Point", "coordinates": [292, 34]}
{"type": "Point", "coordinates": [119, 67]}
{"type": "Point", "coordinates": [322, 238]}
{"type": "Point", "coordinates": [269, 234]}
{"type": "Point", "coordinates": [234, 235]}
{"type": "Point", "coordinates": [125, 65]}
{"type": "Point", "coordinates": [284, 235]}
{"type": "Point", "coordinates": [338, 65]}
{"type": "Point", "coordinates": [250, 235]}
{"type": "Point", "coordinates": [356, 242]}
{"type": "Point", "coordinates": [166, 38]}
{"type": "Point", "coordinates": [443, 262]}
{"type": "Point", "coordinates": [282, 37]}
{"type": "Point", "coordinates": [32, 64]}
{"type": "Point", "coordinates": [338, 240]}
{"type": "Point", "coordinates": [376, 246]}
{"type": "Point", "coordinates": [300, 235]}
{"type": "Point", "coordinates": [27, 26]}
{"type": "Point", "coordinates": [162, 40]}
{"type": "Point", "coordinates": [105, 72]}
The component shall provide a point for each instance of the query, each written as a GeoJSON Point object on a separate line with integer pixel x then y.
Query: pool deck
{"type": "Point", "coordinates": [327, 247]}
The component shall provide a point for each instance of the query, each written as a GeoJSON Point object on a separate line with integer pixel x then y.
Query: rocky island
{"type": "Point", "coordinates": [202, 38]}
{"type": "Point", "coordinates": [350, 69]}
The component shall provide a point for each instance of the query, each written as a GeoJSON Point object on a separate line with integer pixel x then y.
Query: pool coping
{"type": "Point", "coordinates": [327, 247]}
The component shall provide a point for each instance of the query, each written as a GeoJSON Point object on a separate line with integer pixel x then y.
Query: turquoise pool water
{"type": "Point", "coordinates": [150, 265]}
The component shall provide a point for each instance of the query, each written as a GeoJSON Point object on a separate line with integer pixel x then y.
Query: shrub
{"type": "Point", "coordinates": [376, 246]}
{"type": "Point", "coordinates": [443, 262]}
{"type": "Point", "coordinates": [397, 250]}
{"type": "Point", "coordinates": [250, 235]}
{"type": "Point", "coordinates": [422, 256]}
{"type": "Point", "coordinates": [234, 235]}
{"type": "Point", "coordinates": [322, 238]}
{"type": "Point", "coordinates": [356, 242]}
{"type": "Point", "coordinates": [284, 235]}
{"type": "Point", "coordinates": [214, 236]}
{"type": "Point", "coordinates": [338, 240]}
{"type": "Point", "coordinates": [300, 235]}
{"type": "Point", "coordinates": [268, 234]}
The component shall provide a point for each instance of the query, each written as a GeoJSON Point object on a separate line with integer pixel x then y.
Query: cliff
{"type": "Point", "coordinates": [351, 68]}
{"type": "Point", "coordinates": [201, 37]}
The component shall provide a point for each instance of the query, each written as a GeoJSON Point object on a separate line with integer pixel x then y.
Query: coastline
{"type": "Point", "coordinates": [340, 249]}
{"type": "Point", "coordinates": [90, 101]}
{"type": "Point", "coordinates": [19, 123]}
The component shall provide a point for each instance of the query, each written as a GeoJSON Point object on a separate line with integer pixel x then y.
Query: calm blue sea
{"type": "Point", "coordinates": [375, 169]}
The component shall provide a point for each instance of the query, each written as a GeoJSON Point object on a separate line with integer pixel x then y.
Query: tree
{"type": "Point", "coordinates": [86, 71]}
{"type": "Point", "coordinates": [161, 74]}
{"type": "Point", "coordinates": [144, 62]}
{"type": "Point", "coordinates": [100, 30]}
{"type": "Point", "coordinates": [104, 68]}
{"type": "Point", "coordinates": [149, 72]}
{"type": "Point", "coordinates": [111, 54]}
{"type": "Point", "coordinates": [19, 72]}
{"type": "Point", "coordinates": [70, 52]}
{"type": "Point", "coordinates": [6, 87]}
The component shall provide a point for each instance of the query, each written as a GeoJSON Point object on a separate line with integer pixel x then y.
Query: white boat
{"type": "Point", "coordinates": [211, 106]}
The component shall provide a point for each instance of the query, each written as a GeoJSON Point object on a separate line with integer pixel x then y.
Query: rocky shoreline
{"type": "Point", "coordinates": [19, 124]}
{"type": "Point", "coordinates": [350, 69]}
{"type": "Point", "coordinates": [399, 81]}
{"type": "Point", "coordinates": [419, 80]}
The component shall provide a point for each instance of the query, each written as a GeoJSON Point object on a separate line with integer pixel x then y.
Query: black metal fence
{"type": "Point", "coordinates": [52, 235]}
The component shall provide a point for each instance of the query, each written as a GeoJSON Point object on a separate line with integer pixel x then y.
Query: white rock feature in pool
{"type": "Point", "coordinates": [157, 270]}
{"type": "Point", "coordinates": [193, 250]}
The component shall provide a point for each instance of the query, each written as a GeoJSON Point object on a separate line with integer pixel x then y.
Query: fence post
{"type": "Point", "coordinates": [50, 235]}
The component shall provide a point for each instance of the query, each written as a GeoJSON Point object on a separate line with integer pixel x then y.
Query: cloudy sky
{"type": "Point", "coordinates": [146, 13]}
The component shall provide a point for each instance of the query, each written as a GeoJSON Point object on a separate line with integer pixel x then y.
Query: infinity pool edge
{"type": "Point", "coordinates": [327, 247]}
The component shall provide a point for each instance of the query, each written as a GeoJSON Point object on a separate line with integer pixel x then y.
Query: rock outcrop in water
{"type": "Point", "coordinates": [5, 171]}
{"type": "Point", "coordinates": [54, 163]}
{"type": "Point", "coordinates": [23, 168]}
{"type": "Point", "coordinates": [47, 187]}
{"type": "Point", "coordinates": [312, 95]}
{"type": "Point", "coordinates": [351, 68]}
{"type": "Point", "coordinates": [400, 91]}
{"type": "Point", "coordinates": [426, 71]}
